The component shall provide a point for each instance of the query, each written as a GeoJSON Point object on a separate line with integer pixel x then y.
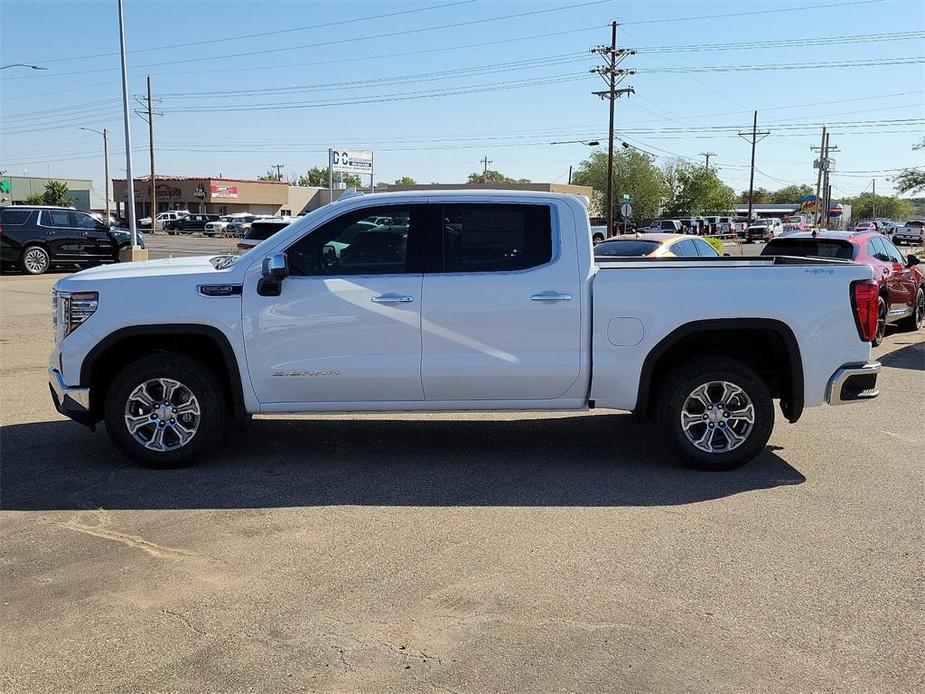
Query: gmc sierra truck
{"type": "Point", "coordinates": [457, 300]}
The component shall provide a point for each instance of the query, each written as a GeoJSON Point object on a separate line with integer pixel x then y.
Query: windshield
{"type": "Point", "coordinates": [626, 248]}
{"type": "Point", "coordinates": [811, 248]}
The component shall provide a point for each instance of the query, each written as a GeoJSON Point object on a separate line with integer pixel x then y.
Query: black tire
{"type": "Point", "coordinates": [193, 376]}
{"type": "Point", "coordinates": [34, 260]}
{"type": "Point", "coordinates": [914, 322]}
{"type": "Point", "coordinates": [881, 322]}
{"type": "Point", "coordinates": [677, 398]}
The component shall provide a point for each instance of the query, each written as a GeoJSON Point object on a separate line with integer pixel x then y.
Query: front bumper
{"type": "Point", "coordinates": [852, 383]}
{"type": "Point", "coordinates": [70, 401]}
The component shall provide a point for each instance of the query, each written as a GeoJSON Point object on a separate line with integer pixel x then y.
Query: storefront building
{"type": "Point", "coordinates": [217, 195]}
{"type": "Point", "coordinates": [15, 190]}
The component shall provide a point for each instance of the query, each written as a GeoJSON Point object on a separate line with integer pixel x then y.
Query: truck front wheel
{"type": "Point", "coordinates": [165, 411]}
{"type": "Point", "coordinates": [716, 413]}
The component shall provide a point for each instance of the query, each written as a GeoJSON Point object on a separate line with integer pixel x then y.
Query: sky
{"type": "Point", "coordinates": [435, 86]}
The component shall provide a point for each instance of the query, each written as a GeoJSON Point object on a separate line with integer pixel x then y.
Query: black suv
{"type": "Point", "coordinates": [36, 237]}
{"type": "Point", "coordinates": [187, 225]}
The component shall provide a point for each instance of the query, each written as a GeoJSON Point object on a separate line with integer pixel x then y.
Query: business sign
{"type": "Point", "coordinates": [6, 185]}
{"type": "Point", "coordinates": [355, 161]}
{"type": "Point", "coordinates": [223, 191]}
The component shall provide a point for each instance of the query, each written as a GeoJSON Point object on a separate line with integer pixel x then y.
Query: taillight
{"type": "Point", "coordinates": [864, 302]}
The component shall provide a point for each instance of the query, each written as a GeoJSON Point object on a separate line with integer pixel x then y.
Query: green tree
{"type": "Point", "coordinates": [318, 177]}
{"type": "Point", "coordinates": [635, 175]}
{"type": "Point", "coordinates": [492, 176]}
{"type": "Point", "coordinates": [405, 181]}
{"type": "Point", "coordinates": [699, 191]}
{"type": "Point", "coordinates": [867, 206]}
{"type": "Point", "coordinates": [761, 196]}
{"type": "Point", "coordinates": [36, 199]}
{"type": "Point", "coordinates": [791, 193]}
{"type": "Point", "coordinates": [911, 180]}
{"type": "Point", "coordinates": [270, 175]}
{"type": "Point", "coordinates": [55, 194]}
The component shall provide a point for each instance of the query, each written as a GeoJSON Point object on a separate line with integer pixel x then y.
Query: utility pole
{"type": "Point", "coordinates": [151, 150]}
{"type": "Point", "coordinates": [873, 183]}
{"type": "Point", "coordinates": [485, 162]}
{"type": "Point", "coordinates": [754, 136]}
{"type": "Point", "coordinates": [817, 214]}
{"type": "Point", "coordinates": [707, 155]}
{"type": "Point", "coordinates": [105, 133]}
{"type": "Point", "coordinates": [106, 171]}
{"type": "Point", "coordinates": [279, 168]}
{"type": "Point", "coordinates": [826, 188]}
{"type": "Point", "coordinates": [570, 174]}
{"type": "Point", "coordinates": [612, 56]}
{"type": "Point", "coordinates": [148, 115]}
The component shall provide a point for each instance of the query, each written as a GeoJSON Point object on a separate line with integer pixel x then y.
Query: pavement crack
{"type": "Point", "coordinates": [101, 530]}
{"type": "Point", "coordinates": [183, 618]}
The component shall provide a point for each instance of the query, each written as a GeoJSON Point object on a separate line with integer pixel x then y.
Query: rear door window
{"type": "Point", "coordinates": [14, 217]}
{"type": "Point", "coordinates": [892, 251]}
{"type": "Point", "coordinates": [56, 218]}
{"type": "Point", "coordinates": [495, 238]}
{"type": "Point", "coordinates": [705, 249]}
{"type": "Point", "coordinates": [876, 249]}
{"type": "Point", "coordinates": [685, 249]}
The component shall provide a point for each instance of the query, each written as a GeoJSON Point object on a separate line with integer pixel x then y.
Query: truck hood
{"type": "Point", "coordinates": [191, 265]}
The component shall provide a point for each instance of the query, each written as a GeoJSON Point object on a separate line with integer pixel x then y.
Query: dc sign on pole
{"type": "Point", "coordinates": [352, 161]}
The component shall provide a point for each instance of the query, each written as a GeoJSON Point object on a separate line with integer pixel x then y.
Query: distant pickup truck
{"type": "Point", "coordinates": [461, 300]}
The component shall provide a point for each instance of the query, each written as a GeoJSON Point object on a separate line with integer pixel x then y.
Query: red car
{"type": "Point", "coordinates": [902, 283]}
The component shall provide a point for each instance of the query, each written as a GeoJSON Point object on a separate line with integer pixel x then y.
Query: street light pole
{"type": "Point", "coordinates": [34, 67]}
{"type": "Point", "coordinates": [129, 180]}
{"type": "Point", "coordinates": [105, 133]}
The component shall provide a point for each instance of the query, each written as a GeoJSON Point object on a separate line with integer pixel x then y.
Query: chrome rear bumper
{"type": "Point", "coordinates": [852, 383]}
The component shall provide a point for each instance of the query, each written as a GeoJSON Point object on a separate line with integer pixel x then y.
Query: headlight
{"type": "Point", "coordinates": [72, 309]}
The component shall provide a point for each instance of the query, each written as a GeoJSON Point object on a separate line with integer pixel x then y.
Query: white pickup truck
{"type": "Point", "coordinates": [457, 300]}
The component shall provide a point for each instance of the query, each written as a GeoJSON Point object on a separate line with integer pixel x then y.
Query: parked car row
{"type": "Point", "coordinates": [712, 225]}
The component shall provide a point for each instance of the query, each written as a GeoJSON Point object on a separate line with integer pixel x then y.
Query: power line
{"type": "Point", "coordinates": [343, 41]}
{"type": "Point", "coordinates": [540, 61]}
{"type": "Point", "coordinates": [785, 43]}
{"type": "Point", "coordinates": [769, 67]}
{"type": "Point", "coordinates": [383, 98]}
{"type": "Point", "coordinates": [665, 20]}
{"type": "Point", "coordinates": [225, 39]}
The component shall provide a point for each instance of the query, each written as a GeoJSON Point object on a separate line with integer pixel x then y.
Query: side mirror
{"type": "Point", "coordinates": [275, 270]}
{"type": "Point", "coordinates": [912, 260]}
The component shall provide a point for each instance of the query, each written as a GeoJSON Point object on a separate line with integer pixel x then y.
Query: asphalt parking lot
{"type": "Point", "coordinates": [527, 552]}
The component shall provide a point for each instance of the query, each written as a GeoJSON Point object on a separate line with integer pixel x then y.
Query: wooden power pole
{"type": "Point", "coordinates": [612, 75]}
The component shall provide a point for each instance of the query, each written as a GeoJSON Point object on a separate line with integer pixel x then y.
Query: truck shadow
{"type": "Point", "coordinates": [907, 355]}
{"type": "Point", "coordinates": [587, 460]}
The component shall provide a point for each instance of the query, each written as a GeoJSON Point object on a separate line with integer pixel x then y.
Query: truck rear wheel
{"type": "Point", "coordinates": [716, 413]}
{"type": "Point", "coordinates": [165, 411]}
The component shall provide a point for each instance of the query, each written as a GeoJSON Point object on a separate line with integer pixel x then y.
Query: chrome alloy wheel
{"type": "Point", "coordinates": [717, 417]}
{"type": "Point", "coordinates": [162, 414]}
{"type": "Point", "coordinates": [36, 261]}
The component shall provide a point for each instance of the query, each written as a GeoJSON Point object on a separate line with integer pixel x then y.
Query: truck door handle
{"type": "Point", "coordinates": [392, 299]}
{"type": "Point", "coordinates": [551, 296]}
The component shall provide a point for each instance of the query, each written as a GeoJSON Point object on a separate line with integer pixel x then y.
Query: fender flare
{"type": "Point", "coordinates": [233, 373]}
{"type": "Point", "coordinates": [791, 407]}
